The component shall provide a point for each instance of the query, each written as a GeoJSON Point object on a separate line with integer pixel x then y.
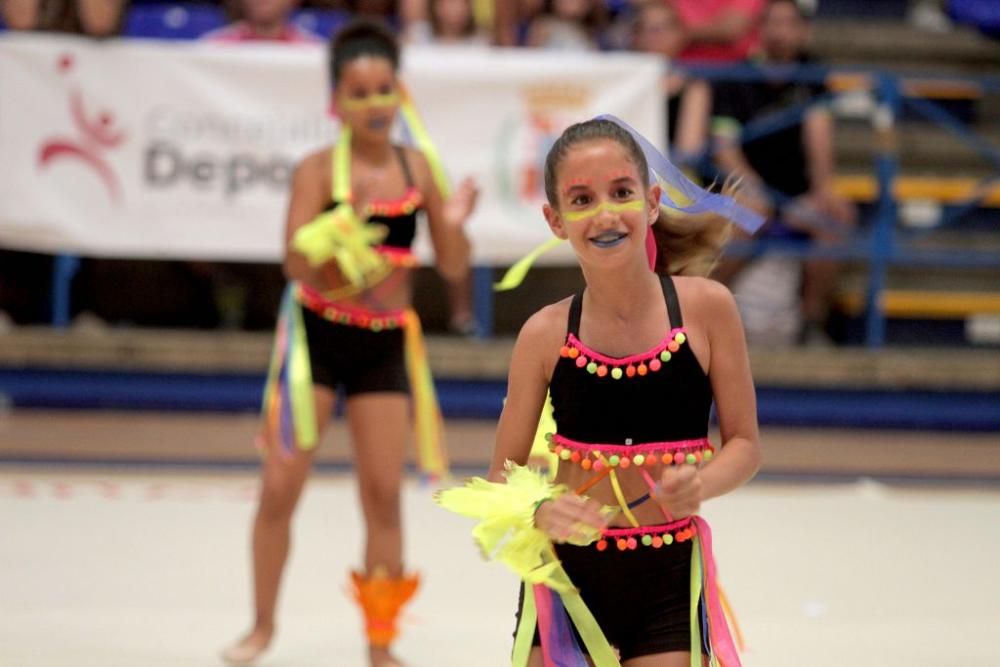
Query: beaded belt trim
{"type": "Point", "coordinates": [589, 456]}
{"type": "Point", "coordinates": [398, 257]}
{"type": "Point", "coordinates": [353, 316]}
{"type": "Point", "coordinates": [629, 539]}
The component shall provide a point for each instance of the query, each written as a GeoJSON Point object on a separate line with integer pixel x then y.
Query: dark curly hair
{"type": "Point", "coordinates": [359, 38]}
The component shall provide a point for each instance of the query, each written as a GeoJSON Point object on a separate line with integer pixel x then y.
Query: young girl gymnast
{"type": "Point", "coordinates": [346, 322]}
{"type": "Point", "coordinates": [616, 562]}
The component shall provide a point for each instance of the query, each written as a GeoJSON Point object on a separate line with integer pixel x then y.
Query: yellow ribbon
{"type": "Point", "coordinates": [339, 234]}
{"type": "Point", "coordinates": [695, 613]}
{"type": "Point", "coordinates": [291, 349]}
{"type": "Point", "coordinates": [423, 140]}
{"type": "Point", "coordinates": [431, 454]}
{"type": "Point", "coordinates": [540, 445]}
{"type": "Point", "coordinates": [516, 273]}
{"type": "Point", "coordinates": [506, 532]}
{"type": "Point", "coordinates": [620, 497]}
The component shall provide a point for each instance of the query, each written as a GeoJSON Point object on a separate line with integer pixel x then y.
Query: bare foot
{"type": "Point", "coordinates": [247, 650]}
{"type": "Point", "coordinates": [381, 657]}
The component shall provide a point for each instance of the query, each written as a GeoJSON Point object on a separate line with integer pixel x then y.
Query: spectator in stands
{"type": "Point", "coordinates": [789, 172]}
{"type": "Point", "coordinates": [719, 30]}
{"type": "Point", "coordinates": [657, 29]}
{"type": "Point", "coordinates": [263, 20]}
{"type": "Point", "coordinates": [932, 15]}
{"type": "Point", "coordinates": [441, 22]}
{"type": "Point", "coordinates": [96, 18]}
{"type": "Point", "coordinates": [243, 293]}
{"type": "Point", "coordinates": [384, 10]}
{"type": "Point", "coordinates": [568, 25]}
{"type": "Point", "coordinates": [512, 19]}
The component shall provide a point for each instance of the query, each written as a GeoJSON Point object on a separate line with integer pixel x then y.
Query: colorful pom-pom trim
{"type": "Point", "coordinates": [405, 205]}
{"type": "Point", "coordinates": [588, 455]}
{"type": "Point", "coordinates": [615, 368]}
{"type": "Point", "coordinates": [630, 539]}
{"type": "Point", "coordinates": [349, 316]}
{"type": "Point", "coordinates": [398, 257]}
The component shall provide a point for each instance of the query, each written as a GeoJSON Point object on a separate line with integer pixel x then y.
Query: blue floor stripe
{"type": "Point", "coordinates": [479, 399]}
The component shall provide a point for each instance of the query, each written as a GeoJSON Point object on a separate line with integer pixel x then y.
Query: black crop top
{"type": "Point", "coordinates": [661, 395]}
{"type": "Point", "coordinates": [399, 216]}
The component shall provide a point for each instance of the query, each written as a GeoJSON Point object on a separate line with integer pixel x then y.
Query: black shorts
{"type": "Point", "coordinates": [641, 598]}
{"type": "Point", "coordinates": [360, 360]}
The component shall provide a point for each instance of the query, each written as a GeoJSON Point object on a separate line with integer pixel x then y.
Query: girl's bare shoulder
{"type": "Point", "coordinates": [315, 165]}
{"type": "Point", "coordinates": [708, 307]}
{"type": "Point", "coordinates": [703, 295]}
{"type": "Point", "coordinates": [547, 327]}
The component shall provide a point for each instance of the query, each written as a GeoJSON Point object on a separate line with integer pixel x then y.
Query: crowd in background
{"type": "Point", "coordinates": [787, 175]}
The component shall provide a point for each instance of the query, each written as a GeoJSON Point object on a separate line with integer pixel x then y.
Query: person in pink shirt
{"type": "Point", "coordinates": [264, 20]}
{"type": "Point", "coordinates": [719, 30]}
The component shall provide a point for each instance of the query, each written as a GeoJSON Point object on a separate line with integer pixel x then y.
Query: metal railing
{"type": "Point", "coordinates": [878, 241]}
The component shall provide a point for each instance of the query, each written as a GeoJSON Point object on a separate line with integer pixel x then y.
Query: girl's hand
{"type": "Point", "coordinates": [570, 518]}
{"type": "Point", "coordinates": [679, 490]}
{"type": "Point", "coordinates": [462, 203]}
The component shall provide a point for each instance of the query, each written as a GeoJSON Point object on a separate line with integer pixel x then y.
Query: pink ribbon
{"type": "Point", "coordinates": [651, 248]}
{"type": "Point", "coordinates": [721, 641]}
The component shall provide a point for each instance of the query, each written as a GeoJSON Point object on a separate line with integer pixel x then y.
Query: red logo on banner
{"type": "Point", "coordinates": [97, 135]}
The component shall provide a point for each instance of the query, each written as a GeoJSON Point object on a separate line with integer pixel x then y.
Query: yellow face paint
{"type": "Point", "coordinates": [577, 216]}
{"type": "Point", "coordinates": [379, 100]}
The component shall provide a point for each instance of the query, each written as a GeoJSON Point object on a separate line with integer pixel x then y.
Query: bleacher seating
{"type": "Point", "coordinates": [172, 20]}
{"type": "Point", "coordinates": [183, 20]}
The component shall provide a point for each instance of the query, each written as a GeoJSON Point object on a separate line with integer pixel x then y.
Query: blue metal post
{"type": "Point", "coordinates": [482, 296]}
{"type": "Point", "coordinates": [886, 169]}
{"type": "Point", "coordinates": [63, 270]}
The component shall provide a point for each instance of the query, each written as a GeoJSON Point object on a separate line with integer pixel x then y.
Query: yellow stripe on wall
{"type": "Point", "coordinates": [917, 304]}
{"type": "Point", "coordinates": [941, 190]}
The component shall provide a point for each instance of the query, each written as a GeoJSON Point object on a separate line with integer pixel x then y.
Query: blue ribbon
{"type": "Point", "coordinates": [692, 199]}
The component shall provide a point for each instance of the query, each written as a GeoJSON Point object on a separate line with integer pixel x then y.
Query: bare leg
{"type": "Point", "coordinates": [535, 658]}
{"type": "Point", "coordinates": [380, 423]}
{"type": "Point", "coordinates": [283, 477]}
{"type": "Point", "coordinates": [674, 659]}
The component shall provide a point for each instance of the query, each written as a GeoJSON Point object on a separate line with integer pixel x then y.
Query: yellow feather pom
{"type": "Point", "coordinates": [506, 530]}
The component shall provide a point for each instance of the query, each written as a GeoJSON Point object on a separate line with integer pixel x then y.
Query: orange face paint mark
{"type": "Point", "coordinates": [623, 173]}
{"type": "Point", "coordinates": [577, 183]}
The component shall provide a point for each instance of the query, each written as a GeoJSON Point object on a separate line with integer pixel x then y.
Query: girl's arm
{"type": "Point", "coordinates": [446, 219]}
{"type": "Point", "coordinates": [536, 348]}
{"type": "Point", "coordinates": [692, 120]}
{"type": "Point", "coordinates": [527, 384]}
{"type": "Point", "coordinates": [735, 400]}
{"type": "Point", "coordinates": [310, 193]}
{"type": "Point", "coordinates": [683, 488]}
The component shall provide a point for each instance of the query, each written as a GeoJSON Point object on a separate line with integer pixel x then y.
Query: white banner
{"type": "Point", "coordinates": [185, 150]}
